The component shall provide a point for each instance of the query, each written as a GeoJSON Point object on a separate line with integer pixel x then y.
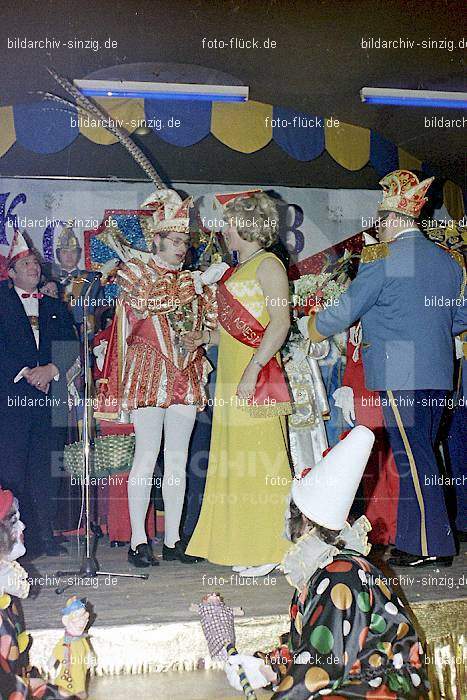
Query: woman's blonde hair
{"type": "Point", "coordinates": [255, 217]}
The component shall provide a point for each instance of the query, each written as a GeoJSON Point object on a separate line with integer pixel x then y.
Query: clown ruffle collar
{"type": "Point", "coordinates": [310, 553]}
{"type": "Point", "coordinates": [13, 579]}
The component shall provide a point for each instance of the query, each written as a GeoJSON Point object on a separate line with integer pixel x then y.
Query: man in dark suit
{"type": "Point", "coordinates": [38, 344]}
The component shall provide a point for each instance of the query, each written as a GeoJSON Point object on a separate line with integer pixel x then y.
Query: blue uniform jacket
{"type": "Point", "coordinates": [407, 302]}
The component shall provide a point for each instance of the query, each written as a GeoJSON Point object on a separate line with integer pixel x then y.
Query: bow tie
{"type": "Point", "coordinates": [67, 274]}
{"type": "Point", "coordinates": [34, 295]}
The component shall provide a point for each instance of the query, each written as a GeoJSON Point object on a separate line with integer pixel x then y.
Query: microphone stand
{"type": "Point", "coordinates": [89, 568]}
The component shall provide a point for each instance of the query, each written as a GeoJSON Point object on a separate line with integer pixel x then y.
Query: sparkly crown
{"type": "Point", "coordinates": [404, 193]}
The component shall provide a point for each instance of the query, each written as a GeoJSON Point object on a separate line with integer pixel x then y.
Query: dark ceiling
{"type": "Point", "coordinates": [318, 66]}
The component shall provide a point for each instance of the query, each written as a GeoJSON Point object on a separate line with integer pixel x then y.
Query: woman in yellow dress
{"type": "Point", "coordinates": [249, 478]}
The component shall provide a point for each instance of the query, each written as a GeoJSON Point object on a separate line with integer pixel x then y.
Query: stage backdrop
{"type": "Point", "coordinates": [310, 220]}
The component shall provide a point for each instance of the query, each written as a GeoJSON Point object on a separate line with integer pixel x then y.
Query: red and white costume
{"type": "Point", "coordinates": [156, 373]}
{"type": "Point", "coordinates": [146, 371]}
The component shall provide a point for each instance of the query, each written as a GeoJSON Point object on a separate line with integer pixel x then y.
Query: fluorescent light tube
{"type": "Point", "coordinates": [414, 98]}
{"type": "Point", "coordinates": [162, 91]}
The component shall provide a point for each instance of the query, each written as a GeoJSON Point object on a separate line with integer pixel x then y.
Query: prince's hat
{"type": "Point", "coordinates": [326, 493]}
{"type": "Point", "coordinates": [403, 193]}
{"type": "Point", "coordinates": [171, 213]}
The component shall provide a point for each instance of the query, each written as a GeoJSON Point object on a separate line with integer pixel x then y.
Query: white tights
{"type": "Point", "coordinates": [177, 422]}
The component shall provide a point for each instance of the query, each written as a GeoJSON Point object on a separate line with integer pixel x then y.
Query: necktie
{"type": "Point", "coordinates": [34, 295]}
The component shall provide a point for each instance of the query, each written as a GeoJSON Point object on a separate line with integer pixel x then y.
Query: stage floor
{"type": "Point", "coordinates": [166, 596]}
{"type": "Point", "coordinates": [145, 635]}
{"type": "Point", "coordinates": [199, 685]}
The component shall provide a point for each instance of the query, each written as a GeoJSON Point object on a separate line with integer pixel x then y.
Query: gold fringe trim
{"type": "Point", "coordinates": [444, 629]}
{"type": "Point", "coordinates": [377, 251]}
{"type": "Point", "coordinates": [277, 409]}
{"type": "Point", "coordinates": [129, 649]}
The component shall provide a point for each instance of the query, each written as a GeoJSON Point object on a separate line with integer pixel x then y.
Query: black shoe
{"type": "Point", "coordinates": [399, 558]}
{"type": "Point", "coordinates": [142, 556]}
{"type": "Point", "coordinates": [53, 549]}
{"type": "Point", "coordinates": [177, 553]}
{"type": "Point", "coordinates": [118, 543]}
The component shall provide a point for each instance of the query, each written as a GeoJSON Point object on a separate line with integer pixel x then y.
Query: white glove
{"type": "Point", "coordinates": [209, 276]}
{"type": "Point", "coordinates": [214, 273]}
{"type": "Point", "coordinates": [253, 668]}
{"type": "Point", "coordinates": [99, 353]}
{"type": "Point", "coordinates": [302, 324]}
{"type": "Point", "coordinates": [343, 398]}
{"type": "Point", "coordinates": [459, 348]}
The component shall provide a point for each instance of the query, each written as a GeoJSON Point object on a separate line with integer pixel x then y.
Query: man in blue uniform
{"type": "Point", "coordinates": [406, 293]}
{"type": "Point", "coordinates": [457, 426]}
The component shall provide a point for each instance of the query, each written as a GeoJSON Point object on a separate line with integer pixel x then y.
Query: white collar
{"type": "Point", "coordinates": [406, 230]}
{"type": "Point", "coordinates": [310, 553]}
{"type": "Point", "coordinates": [165, 265]}
{"type": "Point", "coordinates": [20, 291]}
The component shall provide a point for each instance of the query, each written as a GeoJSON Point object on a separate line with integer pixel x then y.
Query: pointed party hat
{"type": "Point", "coordinates": [224, 197]}
{"type": "Point", "coordinates": [18, 249]}
{"type": "Point", "coordinates": [326, 493]}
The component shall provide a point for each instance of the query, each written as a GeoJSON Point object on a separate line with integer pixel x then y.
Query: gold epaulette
{"type": "Point", "coordinates": [455, 254]}
{"type": "Point", "coordinates": [377, 251]}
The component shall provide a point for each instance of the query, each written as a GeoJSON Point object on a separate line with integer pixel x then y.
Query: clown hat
{"type": "Point", "coordinates": [6, 501]}
{"type": "Point", "coordinates": [326, 493]}
{"type": "Point", "coordinates": [171, 213]}
{"type": "Point", "coordinates": [403, 193]}
{"type": "Point", "coordinates": [18, 249]}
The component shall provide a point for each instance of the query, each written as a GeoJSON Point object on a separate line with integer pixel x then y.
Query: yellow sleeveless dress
{"type": "Point", "coordinates": [248, 479]}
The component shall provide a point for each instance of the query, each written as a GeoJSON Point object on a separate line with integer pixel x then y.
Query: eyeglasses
{"type": "Point", "coordinates": [178, 242]}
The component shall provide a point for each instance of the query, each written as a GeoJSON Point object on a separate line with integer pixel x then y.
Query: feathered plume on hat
{"type": "Point", "coordinates": [171, 213]}
{"type": "Point", "coordinates": [403, 193]}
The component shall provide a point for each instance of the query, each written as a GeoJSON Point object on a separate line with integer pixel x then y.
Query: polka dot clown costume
{"type": "Point", "coordinates": [350, 635]}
